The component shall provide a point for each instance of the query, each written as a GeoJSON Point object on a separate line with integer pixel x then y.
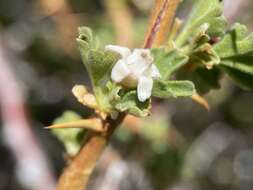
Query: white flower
{"type": "Point", "coordinates": [135, 69]}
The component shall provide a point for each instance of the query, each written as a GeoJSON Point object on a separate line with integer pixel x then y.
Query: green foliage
{"type": "Point", "coordinates": [205, 22]}
{"type": "Point", "coordinates": [203, 78]}
{"type": "Point", "coordinates": [168, 62]}
{"type": "Point", "coordinates": [173, 89]}
{"type": "Point", "coordinates": [245, 81]}
{"type": "Point", "coordinates": [204, 55]}
{"type": "Point", "coordinates": [200, 51]}
{"type": "Point", "coordinates": [98, 64]}
{"type": "Point", "coordinates": [200, 68]}
{"type": "Point", "coordinates": [236, 53]}
{"type": "Point", "coordinates": [231, 55]}
{"type": "Point", "coordinates": [129, 103]}
{"type": "Point", "coordinates": [203, 12]}
{"type": "Point", "coordinates": [194, 54]}
{"type": "Point", "coordinates": [236, 42]}
{"type": "Point", "coordinates": [71, 138]}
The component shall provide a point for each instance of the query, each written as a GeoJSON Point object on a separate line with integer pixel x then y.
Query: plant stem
{"type": "Point", "coordinates": [77, 174]}
{"type": "Point", "coordinates": [160, 22]}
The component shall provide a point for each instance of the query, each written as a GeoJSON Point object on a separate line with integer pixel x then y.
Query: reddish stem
{"type": "Point", "coordinates": [156, 26]}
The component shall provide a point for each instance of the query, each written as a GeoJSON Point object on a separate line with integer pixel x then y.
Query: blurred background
{"type": "Point", "coordinates": [180, 147]}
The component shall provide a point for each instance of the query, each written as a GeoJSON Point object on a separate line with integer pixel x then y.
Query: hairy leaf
{"type": "Point", "coordinates": [236, 53]}
{"type": "Point", "coordinates": [168, 62]}
{"type": "Point", "coordinates": [204, 79]}
{"type": "Point", "coordinates": [236, 42]}
{"type": "Point", "coordinates": [86, 42]}
{"type": "Point", "coordinates": [174, 89]}
{"type": "Point", "coordinates": [130, 104]}
{"type": "Point", "coordinates": [203, 12]}
{"type": "Point", "coordinates": [245, 81]}
{"type": "Point", "coordinates": [98, 63]}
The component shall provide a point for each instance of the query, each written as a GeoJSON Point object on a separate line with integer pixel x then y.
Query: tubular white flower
{"type": "Point", "coordinates": [123, 51]}
{"type": "Point", "coordinates": [137, 62]}
{"type": "Point", "coordinates": [135, 70]}
{"type": "Point", "coordinates": [120, 71]}
{"type": "Point", "coordinates": [155, 72]}
{"type": "Point", "coordinates": [144, 88]}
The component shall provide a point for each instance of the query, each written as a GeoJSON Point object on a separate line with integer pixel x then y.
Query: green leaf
{"type": "Point", "coordinates": [245, 81]}
{"type": "Point", "coordinates": [130, 104]}
{"type": "Point", "coordinates": [107, 96]}
{"type": "Point", "coordinates": [202, 59]}
{"type": "Point", "coordinates": [168, 62]}
{"type": "Point", "coordinates": [86, 42]}
{"type": "Point", "coordinates": [236, 52]}
{"type": "Point", "coordinates": [204, 79]}
{"type": "Point", "coordinates": [217, 26]}
{"type": "Point", "coordinates": [174, 89]}
{"type": "Point", "coordinates": [235, 42]}
{"type": "Point", "coordinates": [71, 138]}
{"type": "Point", "coordinates": [243, 63]}
{"type": "Point", "coordinates": [98, 63]}
{"type": "Point", "coordinates": [203, 12]}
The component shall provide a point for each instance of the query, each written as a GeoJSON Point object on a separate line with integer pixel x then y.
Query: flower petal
{"type": "Point", "coordinates": [144, 88]}
{"type": "Point", "coordinates": [145, 54]}
{"type": "Point", "coordinates": [137, 63]}
{"type": "Point", "coordinates": [155, 72]}
{"type": "Point", "coordinates": [123, 51]}
{"type": "Point", "coordinates": [152, 72]}
{"type": "Point", "coordinates": [119, 71]}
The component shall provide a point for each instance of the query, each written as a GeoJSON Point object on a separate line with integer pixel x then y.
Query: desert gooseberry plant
{"type": "Point", "coordinates": [178, 59]}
